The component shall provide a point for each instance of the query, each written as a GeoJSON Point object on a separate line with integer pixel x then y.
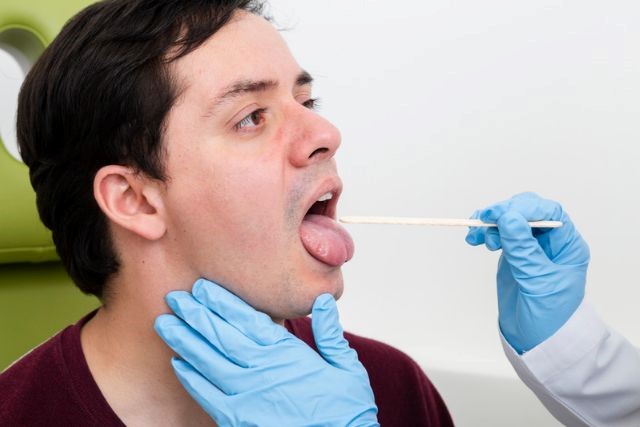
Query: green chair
{"type": "Point", "coordinates": [37, 298]}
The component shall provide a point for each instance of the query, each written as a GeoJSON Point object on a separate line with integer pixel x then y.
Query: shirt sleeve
{"type": "Point", "coordinates": [586, 374]}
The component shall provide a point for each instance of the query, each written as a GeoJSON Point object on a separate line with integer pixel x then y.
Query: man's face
{"type": "Point", "coordinates": [247, 159]}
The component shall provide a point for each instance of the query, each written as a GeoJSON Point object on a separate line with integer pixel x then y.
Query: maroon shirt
{"type": "Point", "coordinates": [52, 385]}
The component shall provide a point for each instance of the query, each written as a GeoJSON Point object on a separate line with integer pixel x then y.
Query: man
{"type": "Point", "coordinates": [172, 140]}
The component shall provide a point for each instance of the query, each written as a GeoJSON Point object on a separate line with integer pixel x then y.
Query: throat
{"type": "Point", "coordinates": [131, 367]}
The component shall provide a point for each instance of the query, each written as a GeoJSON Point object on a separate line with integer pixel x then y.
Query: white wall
{"type": "Point", "coordinates": [447, 106]}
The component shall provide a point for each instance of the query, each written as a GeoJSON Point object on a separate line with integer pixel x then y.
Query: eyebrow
{"type": "Point", "coordinates": [242, 87]}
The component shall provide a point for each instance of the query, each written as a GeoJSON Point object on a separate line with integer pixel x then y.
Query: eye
{"type": "Point", "coordinates": [252, 120]}
{"type": "Point", "coordinates": [312, 103]}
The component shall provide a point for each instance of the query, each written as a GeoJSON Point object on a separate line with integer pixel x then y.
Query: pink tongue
{"type": "Point", "coordinates": [326, 240]}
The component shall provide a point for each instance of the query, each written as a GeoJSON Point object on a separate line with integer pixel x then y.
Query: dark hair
{"type": "Point", "coordinates": [99, 95]}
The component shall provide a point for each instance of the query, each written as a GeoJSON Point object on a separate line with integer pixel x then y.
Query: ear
{"type": "Point", "coordinates": [130, 200]}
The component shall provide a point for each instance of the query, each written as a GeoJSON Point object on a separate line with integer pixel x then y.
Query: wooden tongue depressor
{"type": "Point", "coordinates": [450, 222]}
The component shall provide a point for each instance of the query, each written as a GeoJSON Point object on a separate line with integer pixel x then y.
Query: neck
{"type": "Point", "coordinates": [131, 364]}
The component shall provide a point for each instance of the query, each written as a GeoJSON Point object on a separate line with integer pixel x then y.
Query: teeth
{"type": "Point", "coordinates": [324, 197]}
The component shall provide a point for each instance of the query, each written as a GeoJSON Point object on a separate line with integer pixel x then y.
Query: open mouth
{"type": "Point", "coordinates": [322, 237]}
{"type": "Point", "coordinates": [325, 205]}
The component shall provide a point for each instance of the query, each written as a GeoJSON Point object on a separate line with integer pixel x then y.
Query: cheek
{"type": "Point", "coordinates": [238, 216]}
{"type": "Point", "coordinates": [251, 200]}
{"type": "Point", "coordinates": [232, 210]}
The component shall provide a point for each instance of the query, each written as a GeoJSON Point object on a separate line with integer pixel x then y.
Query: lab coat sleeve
{"type": "Point", "coordinates": [585, 374]}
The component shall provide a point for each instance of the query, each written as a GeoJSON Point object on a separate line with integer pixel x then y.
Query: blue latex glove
{"type": "Point", "coordinates": [246, 370]}
{"type": "Point", "coordinates": [541, 273]}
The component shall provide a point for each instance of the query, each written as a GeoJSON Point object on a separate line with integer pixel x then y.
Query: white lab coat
{"type": "Point", "coordinates": [585, 374]}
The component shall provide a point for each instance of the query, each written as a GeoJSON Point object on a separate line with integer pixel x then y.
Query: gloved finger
{"type": "Point", "coordinates": [535, 208]}
{"type": "Point", "coordinates": [529, 205]}
{"type": "Point", "coordinates": [229, 341]}
{"type": "Point", "coordinates": [475, 235]}
{"type": "Point", "coordinates": [492, 212]}
{"type": "Point", "coordinates": [206, 359]}
{"type": "Point", "coordinates": [329, 336]}
{"type": "Point", "coordinates": [492, 239]}
{"type": "Point", "coordinates": [252, 323]}
{"type": "Point", "coordinates": [557, 239]}
{"type": "Point", "coordinates": [208, 396]}
{"type": "Point", "coordinates": [521, 249]}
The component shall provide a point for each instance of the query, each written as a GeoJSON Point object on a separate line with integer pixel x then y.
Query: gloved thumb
{"type": "Point", "coordinates": [329, 336]}
{"type": "Point", "coordinates": [521, 249]}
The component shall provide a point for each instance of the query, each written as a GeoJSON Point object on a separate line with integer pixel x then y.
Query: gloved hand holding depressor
{"type": "Point", "coordinates": [541, 273]}
{"type": "Point", "coordinates": [244, 369]}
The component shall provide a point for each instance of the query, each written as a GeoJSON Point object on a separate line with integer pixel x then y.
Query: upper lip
{"type": "Point", "coordinates": [331, 185]}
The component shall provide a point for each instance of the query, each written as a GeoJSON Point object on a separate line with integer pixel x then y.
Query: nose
{"type": "Point", "coordinates": [313, 138]}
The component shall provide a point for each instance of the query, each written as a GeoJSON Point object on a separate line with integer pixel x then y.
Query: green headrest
{"type": "Point", "coordinates": [26, 27]}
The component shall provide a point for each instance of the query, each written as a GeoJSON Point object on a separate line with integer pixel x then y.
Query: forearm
{"type": "Point", "coordinates": [585, 374]}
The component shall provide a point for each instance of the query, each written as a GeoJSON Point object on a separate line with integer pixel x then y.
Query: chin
{"type": "Point", "coordinates": [295, 299]}
{"type": "Point", "coordinates": [332, 284]}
